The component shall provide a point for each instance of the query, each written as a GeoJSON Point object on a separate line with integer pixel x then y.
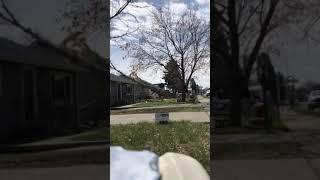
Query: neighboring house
{"type": "Point", "coordinates": [161, 86]}
{"type": "Point", "coordinates": [144, 89]}
{"type": "Point", "coordinates": [121, 90]}
{"type": "Point", "coordinates": [42, 93]}
{"type": "Point", "coordinates": [130, 89]}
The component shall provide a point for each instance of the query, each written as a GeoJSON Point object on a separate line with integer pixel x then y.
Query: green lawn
{"type": "Point", "coordinates": [159, 102]}
{"type": "Point", "coordinates": [152, 103]}
{"type": "Point", "coordinates": [94, 155]}
{"type": "Point", "coordinates": [315, 113]}
{"type": "Point", "coordinates": [180, 137]}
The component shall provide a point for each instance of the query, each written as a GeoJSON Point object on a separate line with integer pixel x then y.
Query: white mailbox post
{"type": "Point", "coordinates": [162, 117]}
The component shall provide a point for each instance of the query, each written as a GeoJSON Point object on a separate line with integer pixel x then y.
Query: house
{"type": "Point", "coordinates": [43, 93]}
{"type": "Point", "coordinates": [144, 89]}
{"type": "Point", "coordinates": [130, 89]}
{"type": "Point", "coordinates": [161, 86]}
{"type": "Point", "coordinates": [121, 90]}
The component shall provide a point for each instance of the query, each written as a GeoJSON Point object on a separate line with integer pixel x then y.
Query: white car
{"type": "Point", "coordinates": [314, 100]}
{"type": "Point", "coordinates": [208, 93]}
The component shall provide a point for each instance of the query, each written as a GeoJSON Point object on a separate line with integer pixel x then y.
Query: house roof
{"type": "Point", "coordinates": [145, 83]}
{"type": "Point", "coordinates": [121, 79]}
{"type": "Point", "coordinates": [16, 53]}
{"type": "Point", "coordinates": [85, 57]}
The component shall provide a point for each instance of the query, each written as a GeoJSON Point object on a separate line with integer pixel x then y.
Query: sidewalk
{"type": "Point", "coordinates": [150, 117]}
{"type": "Point", "coordinates": [203, 99]}
{"type": "Point", "coordinates": [293, 169]}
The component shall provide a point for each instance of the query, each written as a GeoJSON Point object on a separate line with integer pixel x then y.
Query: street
{"type": "Point", "coordinates": [150, 117]}
{"type": "Point", "coordinates": [280, 169]}
{"type": "Point", "coordinates": [304, 164]}
{"type": "Point", "coordinates": [83, 172]}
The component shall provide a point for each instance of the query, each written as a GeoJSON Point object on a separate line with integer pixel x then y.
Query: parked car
{"type": "Point", "coordinates": [314, 100]}
{"type": "Point", "coordinates": [208, 93]}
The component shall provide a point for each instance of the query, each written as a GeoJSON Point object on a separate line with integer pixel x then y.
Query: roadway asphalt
{"type": "Point", "coordinates": [281, 169]}
{"type": "Point", "coordinates": [83, 172]}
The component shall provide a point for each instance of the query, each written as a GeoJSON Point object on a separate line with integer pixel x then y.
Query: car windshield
{"type": "Point", "coordinates": [315, 93]}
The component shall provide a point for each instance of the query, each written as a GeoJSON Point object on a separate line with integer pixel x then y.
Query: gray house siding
{"type": "Point", "coordinates": [9, 100]}
{"type": "Point", "coordinates": [92, 96]}
{"type": "Point", "coordinates": [26, 104]}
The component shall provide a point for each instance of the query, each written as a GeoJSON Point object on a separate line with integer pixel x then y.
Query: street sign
{"type": "Point", "coordinates": [162, 117]}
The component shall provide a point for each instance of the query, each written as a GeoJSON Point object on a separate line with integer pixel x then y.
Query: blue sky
{"type": "Point", "coordinates": [118, 58]}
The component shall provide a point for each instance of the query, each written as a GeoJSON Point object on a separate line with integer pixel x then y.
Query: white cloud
{"type": "Point", "coordinates": [177, 7]}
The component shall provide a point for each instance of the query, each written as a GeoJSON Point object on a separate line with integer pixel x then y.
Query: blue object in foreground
{"type": "Point", "coordinates": [133, 165]}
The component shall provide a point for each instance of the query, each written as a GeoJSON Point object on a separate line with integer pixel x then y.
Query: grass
{"type": "Point", "coordinates": [314, 113]}
{"type": "Point", "coordinates": [57, 158]}
{"type": "Point", "coordinates": [181, 137]}
{"type": "Point", "coordinates": [278, 124]}
{"type": "Point", "coordinates": [155, 110]}
{"type": "Point", "coordinates": [255, 151]}
{"type": "Point", "coordinates": [152, 103]}
{"type": "Point", "coordinates": [163, 102]}
{"type": "Point", "coordinates": [93, 135]}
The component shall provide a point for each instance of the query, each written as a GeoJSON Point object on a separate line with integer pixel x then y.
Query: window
{"type": "Point", "coordinates": [61, 91]}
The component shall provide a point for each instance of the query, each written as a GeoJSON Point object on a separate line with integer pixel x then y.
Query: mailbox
{"type": "Point", "coordinates": [162, 117]}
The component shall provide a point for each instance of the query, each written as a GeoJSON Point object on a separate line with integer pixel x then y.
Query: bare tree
{"type": "Point", "coordinates": [311, 26]}
{"type": "Point", "coordinates": [84, 17]}
{"type": "Point", "coordinates": [90, 17]}
{"type": "Point", "coordinates": [245, 27]}
{"type": "Point", "coordinates": [183, 39]}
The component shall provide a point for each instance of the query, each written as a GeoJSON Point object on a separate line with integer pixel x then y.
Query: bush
{"type": "Point", "coordinates": [193, 99]}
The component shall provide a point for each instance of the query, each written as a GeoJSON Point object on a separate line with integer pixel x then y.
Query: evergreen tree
{"type": "Point", "coordinates": [172, 76]}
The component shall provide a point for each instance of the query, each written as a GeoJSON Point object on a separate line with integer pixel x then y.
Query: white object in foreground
{"type": "Point", "coordinates": [162, 117]}
{"type": "Point", "coordinates": [181, 167]}
{"type": "Point", "coordinates": [146, 165]}
{"type": "Point", "coordinates": [133, 165]}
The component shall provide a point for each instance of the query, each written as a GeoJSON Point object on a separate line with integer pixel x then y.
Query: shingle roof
{"type": "Point", "coordinates": [16, 53]}
{"type": "Point", "coordinates": [121, 79]}
{"type": "Point", "coordinates": [145, 83]}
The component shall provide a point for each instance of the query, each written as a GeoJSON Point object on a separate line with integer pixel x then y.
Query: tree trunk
{"type": "Point", "coordinates": [267, 103]}
{"type": "Point", "coordinates": [237, 88]}
{"type": "Point", "coordinates": [184, 93]}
